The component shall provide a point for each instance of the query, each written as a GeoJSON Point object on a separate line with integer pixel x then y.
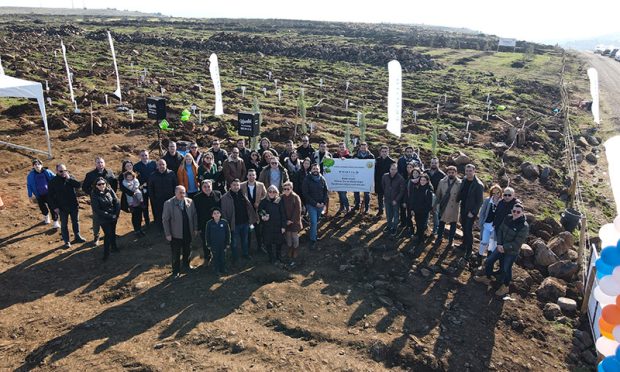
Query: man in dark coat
{"type": "Point", "coordinates": [305, 150]}
{"type": "Point", "coordinates": [145, 168]}
{"type": "Point", "coordinates": [435, 174]}
{"type": "Point", "coordinates": [63, 199]}
{"type": "Point", "coordinates": [161, 186]}
{"type": "Point", "coordinates": [315, 190]}
{"type": "Point", "coordinates": [87, 186]}
{"type": "Point", "coordinates": [173, 158]}
{"type": "Point", "coordinates": [471, 196]}
{"type": "Point", "coordinates": [382, 166]}
{"type": "Point", "coordinates": [205, 201]}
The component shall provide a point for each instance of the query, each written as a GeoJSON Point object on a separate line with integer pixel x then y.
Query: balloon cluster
{"type": "Point", "coordinates": [607, 293]}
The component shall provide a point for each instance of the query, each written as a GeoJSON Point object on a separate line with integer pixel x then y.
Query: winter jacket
{"type": "Point", "coordinates": [260, 192]}
{"type": "Point", "coordinates": [403, 161]}
{"type": "Point", "coordinates": [382, 166]}
{"type": "Point", "coordinates": [228, 209]}
{"type": "Point", "coordinates": [162, 185]}
{"type": "Point", "coordinates": [211, 174]}
{"type": "Point", "coordinates": [145, 171]}
{"type": "Point", "coordinates": [305, 152]}
{"type": "Point", "coordinates": [512, 234]}
{"type": "Point", "coordinates": [474, 197]}
{"type": "Point", "coordinates": [503, 209]}
{"type": "Point", "coordinates": [92, 176]}
{"type": "Point", "coordinates": [393, 188]}
{"type": "Point", "coordinates": [291, 167]}
{"type": "Point", "coordinates": [298, 180]}
{"type": "Point", "coordinates": [448, 203]}
{"type": "Point", "coordinates": [292, 210]}
{"type": "Point", "coordinates": [173, 162]}
{"type": "Point", "coordinates": [37, 183]}
{"type": "Point", "coordinates": [272, 229]}
{"type": "Point", "coordinates": [172, 218]}
{"type": "Point", "coordinates": [61, 193]}
{"type": "Point", "coordinates": [204, 205]}
{"type": "Point", "coordinates": [233, 169]}
{"type": "Point", "coordinates": [105, 205]}
{"type": "Point", "coordinates": [219, 157]}
{"type": "Point", "coordinates": [314, 191]}
{"type": "Point", "coordinates": [183, 176]}
{"type": "Point", "coordinates": [217, 234]}
{"type": "Point", "coordinates": [419, 198]}
{"type": "Point", "coordinates": [436, 176]}
{"type": "Point", "coordinates": [265, 176]}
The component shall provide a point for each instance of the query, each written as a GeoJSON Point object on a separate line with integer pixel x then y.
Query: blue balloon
{"type": "Point", "coordinates": [609, 364]}
{"type": "Point", "coordinates": [611, 256]}
{"type": "Point", "coordinates": [603, 269]}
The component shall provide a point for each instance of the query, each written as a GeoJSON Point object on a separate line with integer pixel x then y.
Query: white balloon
{"type": "Point", "coordinates": [616, 333]}
{"type": "Point", "coordinates": [610, 285]}
{"type": "Point", "coordinates": [606, 346]}
{"type": "Point", "coordinates": [602, 298]}
{"type": "Point", "coordinates": [609, 235]}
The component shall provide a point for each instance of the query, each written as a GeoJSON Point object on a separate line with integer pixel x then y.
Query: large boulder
{"type": "Point", "coordinates": [563, 269]}
{"type": "Point", "coordinates": [530, 171]}
{"type": "Point", "coordinates": [561, 243]}
{"type": "Point", "coordinates": [544, 255]}
{"type": "Point", "coordinates": [551, 289]}
{"type": "Point", "coordinates": [461, 159]}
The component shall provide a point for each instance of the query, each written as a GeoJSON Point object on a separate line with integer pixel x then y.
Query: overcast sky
{"type": "Point", "coordinates": [534, 20]}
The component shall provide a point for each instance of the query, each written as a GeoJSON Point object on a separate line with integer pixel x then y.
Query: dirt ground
{"type": "Point", "coordinates": [362, 302]}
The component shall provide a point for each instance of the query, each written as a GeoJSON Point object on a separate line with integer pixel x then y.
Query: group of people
{"type": "Point", "coordinates": [225, 197]}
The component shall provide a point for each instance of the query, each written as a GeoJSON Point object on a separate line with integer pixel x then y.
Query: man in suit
{"type": "Point", "coordinates": [255, 191]}
{"type": "Point", "coordinates": [180, 225]}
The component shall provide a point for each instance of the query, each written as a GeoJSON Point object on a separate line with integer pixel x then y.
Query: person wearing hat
{"type": "Point", "coordinates": [217, 236]}
{"type": "Point", "coordinates": [37, 184]}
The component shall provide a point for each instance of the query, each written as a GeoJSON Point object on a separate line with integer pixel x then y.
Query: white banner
{"type": "Point", "coordinates": [350, 175]}
{"type": "Point", "coordinates": [593, 76]}
{"type": "Point", "coordinates": [395, 98]}
{"type": "Point", "coordinates": [507, 42]}
{"type": "Point", "coordinates": [214, 69]}
{"type": "Point", "coordinates": [64, 56]}
{"type": "Point", "coordinates": [118, 79]}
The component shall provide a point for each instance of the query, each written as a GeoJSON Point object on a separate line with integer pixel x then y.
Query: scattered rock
{"type": "Point", "coordinates": [551, 289]}
{"type": "Point", "coordinates": [461, 159]}
{"type": "Point", "coordinates": [254, 300]}
{"type": "Point", "coordinates": [563, 269]}
{"type": "Point", "coordinates": [589, 357]}
{"type": "Point", "coordinates": [555, 134]}
{"type": "Point", "coordinates": [561, 243]}
{"type": "Point", "coordinates": [544, 255]}
{"type": "Point", "coordinates": [158, 346]}
{"type": "Point", "coordinates": [591, 158]}
{"type": "Point", "coordinates": [270, 305]}
{"type": "Point", "coordinates": [425, 272]}
{"type": "Point", "coordinates": [551, 311]}
{"type": "Point", "coordinates": [527, 251]}
{"type": "Point", "coordinates": [545, 173]}
{"type": "Point", "coordinates": [140, 285]}
{"type": "Point", "coordinates": [581, 141]}
{"type": "Point", "coordinates": [238, 347]}
{"type": "Point", "coordinates": [530, 171]}
{"type": "Point", "coordinates": [567, 305]}
{"type": "Point", "coordinates": [593, 140]}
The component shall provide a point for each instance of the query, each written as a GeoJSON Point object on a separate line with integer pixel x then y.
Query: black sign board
{"type": "Point", "coordinates": [156, 108]}
{"type": "Point", "coordinates": [248, 125]}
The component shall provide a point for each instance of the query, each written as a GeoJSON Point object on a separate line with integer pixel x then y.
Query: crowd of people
{"type": "Point", "coordinates": [229, 197]}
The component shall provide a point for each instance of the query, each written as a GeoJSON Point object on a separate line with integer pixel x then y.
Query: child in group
{"type": "Point", "coordinates": [131, 183]}
{"type": "Point", "coordinates": [217, 236]}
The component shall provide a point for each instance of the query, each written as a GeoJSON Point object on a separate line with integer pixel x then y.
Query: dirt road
{"type": "Point", "coordinates": [609, 83]}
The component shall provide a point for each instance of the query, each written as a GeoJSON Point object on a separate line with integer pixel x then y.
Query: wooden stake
{"type": "Point", "coordinates": [582, 243]}
{"type": "Point", "coordinates": [588, 290]}
{"type": "Point", "coordinates": [91, 119]}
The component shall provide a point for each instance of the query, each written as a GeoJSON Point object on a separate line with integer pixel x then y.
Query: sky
{"type": "Point", "coordinates": [532, 20]}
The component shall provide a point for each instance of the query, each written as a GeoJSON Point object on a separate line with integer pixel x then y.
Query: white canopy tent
{"type": "Point", "coordinates": [13, 87]}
